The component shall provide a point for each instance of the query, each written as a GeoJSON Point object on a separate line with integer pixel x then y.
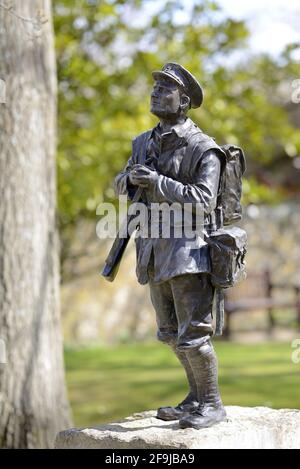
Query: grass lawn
{"type": "Point", "coordinates": [107, 384]}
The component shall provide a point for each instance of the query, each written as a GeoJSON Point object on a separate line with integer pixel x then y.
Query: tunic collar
{"type": "Point", "coordinates": [181, 129]}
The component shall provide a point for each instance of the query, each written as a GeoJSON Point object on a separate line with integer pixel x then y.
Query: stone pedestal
{"type": "Point", "coordinates": [257, 427]}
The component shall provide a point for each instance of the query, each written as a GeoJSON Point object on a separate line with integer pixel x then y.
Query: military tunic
{"type": "Point", "coordinates": [188, 163]}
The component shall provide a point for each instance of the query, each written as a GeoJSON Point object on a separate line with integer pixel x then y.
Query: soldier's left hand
{"type": "Point", "coordinates": [144, 176]}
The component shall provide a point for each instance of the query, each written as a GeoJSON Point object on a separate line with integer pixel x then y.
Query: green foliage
{"type": "Point", "coordinates": [107, 384]}
{"type": "Point", "coordinates": [106, 51]}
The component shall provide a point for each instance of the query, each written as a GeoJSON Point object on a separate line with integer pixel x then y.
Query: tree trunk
{"type": "Point", "coordinates": [33, 401]}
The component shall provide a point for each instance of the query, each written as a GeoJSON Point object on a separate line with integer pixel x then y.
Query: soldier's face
{"type": "Point", "coordinates": [165, 99]}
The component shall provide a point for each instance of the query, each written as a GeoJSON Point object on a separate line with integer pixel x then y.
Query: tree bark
{"type": "Point", "coordinates": [33, 401]}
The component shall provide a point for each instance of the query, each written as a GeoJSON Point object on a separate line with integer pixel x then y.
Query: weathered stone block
{"type": "Point", "coordinates": [257, 427]}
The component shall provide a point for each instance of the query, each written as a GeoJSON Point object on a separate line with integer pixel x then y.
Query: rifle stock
{"type": "Point", "coordinates": [117, 250]}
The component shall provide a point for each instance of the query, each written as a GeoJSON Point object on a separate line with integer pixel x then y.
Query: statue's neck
{"type": "Point", "coordinates": [167, 124]}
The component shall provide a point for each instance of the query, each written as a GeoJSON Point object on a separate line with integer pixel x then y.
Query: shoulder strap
{"type": "Point", "coordinates": [139, 153]}
{"type": "Point", "coordinates": [139, 147]}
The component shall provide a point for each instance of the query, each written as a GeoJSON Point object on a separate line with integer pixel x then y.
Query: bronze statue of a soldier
{"type": "Point", "coordinates": [177, 162]}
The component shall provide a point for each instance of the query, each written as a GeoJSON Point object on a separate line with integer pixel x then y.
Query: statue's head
{"type": "Point", "coordinates": [175, 91]}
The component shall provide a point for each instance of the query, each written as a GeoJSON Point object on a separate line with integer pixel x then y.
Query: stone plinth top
{"type": "Point", "coordinates": [257, 427]}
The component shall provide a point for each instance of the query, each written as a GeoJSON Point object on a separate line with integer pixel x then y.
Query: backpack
{"type": "Point", "coordinates": [229, 208]}
{"type": "Point", "coordinates": [230, 192]}
{"type": "Point", "coordinates": [228, 246]}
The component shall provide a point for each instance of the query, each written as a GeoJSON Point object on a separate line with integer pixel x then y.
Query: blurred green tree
{"type": "Point", "coordinates": [106, 51]}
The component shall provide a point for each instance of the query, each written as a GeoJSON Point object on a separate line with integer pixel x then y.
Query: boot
{"type": "Point", "coordinates": [203, 362]}
{"type": "Point", "coordinates": [190, 403]}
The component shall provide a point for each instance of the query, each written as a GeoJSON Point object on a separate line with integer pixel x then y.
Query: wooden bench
{"type": "Point", "coordinates": [258, 293]}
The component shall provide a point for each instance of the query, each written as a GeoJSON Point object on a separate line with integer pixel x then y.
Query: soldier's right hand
{"type": "Point", "coordinates": [136, 174]}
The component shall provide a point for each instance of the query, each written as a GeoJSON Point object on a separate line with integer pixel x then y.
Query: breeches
{"type": "Point", "coordinates": [183, 307]}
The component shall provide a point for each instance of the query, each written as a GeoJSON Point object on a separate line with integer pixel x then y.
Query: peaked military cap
{"type": "Point", "coordinates": [185, 79]}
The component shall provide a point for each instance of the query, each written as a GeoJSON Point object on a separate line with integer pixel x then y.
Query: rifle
{"type": "Point", "coordinates": [117, 250]}
{"type": "Point", "coordinates": [113, 260]}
